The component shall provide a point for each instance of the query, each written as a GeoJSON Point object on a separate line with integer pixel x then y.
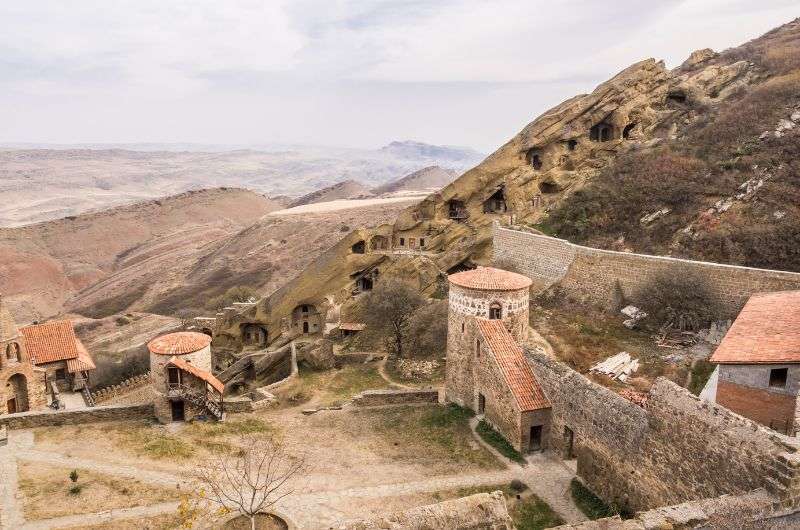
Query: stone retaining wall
{"type": "Point", "coordinates": [679, 448]}
{"type": "Point", "coordinates": [373, 398]}
{"type": "Point", "coordinates": [597, 275]}
{"type": "Point", "coordinates": [26, 420]}
{"type": "Point", "coordinates": [356, 357]}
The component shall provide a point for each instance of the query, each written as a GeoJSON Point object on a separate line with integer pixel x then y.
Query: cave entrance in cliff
{"type": "Point", "coordinates": [379, 243]}
{"type": "Point", "coordinates": [602, 132]}
{"type": "Point", "coordinates": [548, 186]}
{"type": "Point", "coordinates": [365, 284]}
{"type": "Point", "coordinates": [535, 159]}
{"type": "Point", "coordinates": [465, 265]}
{"type": "Point", "coordinates": [207, 331]}
{"type": "Point", "coordinates": [254, 335]}
{"type": "Point", "coordinates": [359, 247]}
{"type": "Point", "coordinates": [456, 210]}
{"type": "Point", "coordinates": [572, 144]}
{"type": "Point", "coordinates": [626, 132]}
{"type": "Point", "coordinates": [496, 203]}
{"type": "Point", "coordinates": [306, 319]}
{"type": "Point", "coordinates": [676, 96]}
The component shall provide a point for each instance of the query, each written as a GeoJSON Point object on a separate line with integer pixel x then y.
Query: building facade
{"type": "Point", "coordinates": [184, 387]}
{"type": "Point", "coordinates": [23, 387]}
{"type": "Point", "coordinates": [758, 362]}
{"type": "Point", "coordinates": [54, 347]}
{"type": "Point", "coordinates": [486, 369]}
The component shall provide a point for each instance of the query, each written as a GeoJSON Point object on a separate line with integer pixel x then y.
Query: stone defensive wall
{"type": "Point", "coordinates": [27, 420]}
{"type": "Point", "coordinates": [596, 275]}
{"type": "Point", "coordinates": [677, 448]}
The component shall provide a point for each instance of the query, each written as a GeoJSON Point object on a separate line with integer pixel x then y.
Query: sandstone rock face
{"type": "Point", "coordinates": [484, 511]}
{"type": "Point", "coordinates": [548, 160]}
{"type": "Point", "coordinates": [319, 355]}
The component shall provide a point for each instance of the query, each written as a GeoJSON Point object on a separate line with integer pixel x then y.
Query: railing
{"type": "Point", "coordinates": [87, 396]}
{"type": "Point", "coordinates": [198, 398]}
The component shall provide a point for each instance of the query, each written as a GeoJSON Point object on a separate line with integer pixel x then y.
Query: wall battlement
{"type": "Point", "coordinates": [594, 274]}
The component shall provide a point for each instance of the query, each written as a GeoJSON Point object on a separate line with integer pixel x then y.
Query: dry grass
{"type": "Point", "coordinates": [331, 387]}
{"type": "Point", "coordinates": [46, 492]}
{"type": "Point", "coordinates": [158, 522]}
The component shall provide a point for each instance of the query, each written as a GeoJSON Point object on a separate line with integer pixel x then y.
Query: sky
{"type": "Point", "coordinates": [349, 73]}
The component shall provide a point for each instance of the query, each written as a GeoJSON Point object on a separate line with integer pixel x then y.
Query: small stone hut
{"type": "Point", "coordinates": [486, 369]}
{"type": "Point", "coordinates": [184, 387]}
{"type": "Point", "coordinates": [54, 347]}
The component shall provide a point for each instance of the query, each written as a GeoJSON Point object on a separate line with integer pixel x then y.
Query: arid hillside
{"type": "Point", "coordinates": [427, 178]}
{"type": "Point", "coordinates": [42, 266]}
{"type": "Point", "coordinates": [348, 189]}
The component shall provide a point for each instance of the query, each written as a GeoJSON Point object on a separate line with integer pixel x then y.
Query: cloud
{"type": "Point", "coordinates": [332, 71]}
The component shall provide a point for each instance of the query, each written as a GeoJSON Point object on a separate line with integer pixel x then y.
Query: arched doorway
{"type": "Point", "coordinates": [254, 335]}
{"type": "Point", "coordinates": [306, 319]}
{"type": "Point", "coordinates": [13, 352]}
{"type": "Point", "coordinates": [17, 394]}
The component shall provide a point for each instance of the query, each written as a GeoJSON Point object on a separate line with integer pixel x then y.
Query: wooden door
{"type": "Point", "coordinates": [177, 410]}
{"type": "Point", "coordinates": [12, 405]}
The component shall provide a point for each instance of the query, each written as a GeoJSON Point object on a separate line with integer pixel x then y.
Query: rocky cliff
{"type": "Point", "coordinates": [559, 154]}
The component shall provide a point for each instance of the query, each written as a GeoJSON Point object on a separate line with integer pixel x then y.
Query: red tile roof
{"type": "Point", "coordinates": [208, 377]}
{"type": "Point", "coordinates": [490, 279]}
{"type": "Point", "coordinates": [83, 362]}
{"type": "Point", "coordinates": [179, 343]}
{"type": "Point", "coordinates": [54, 341]}
{"type": "Point", "coordinates": [766, 331]}
{"type": "Point", "coordinates": [515, 369]}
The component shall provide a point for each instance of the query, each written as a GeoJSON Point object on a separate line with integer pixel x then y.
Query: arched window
{"type": "Point", "coordinates": [13, 353]}
{"type": "Point", "coordinates": [478, 348]}
{"type": "Point", "coordinates": [495, 311]}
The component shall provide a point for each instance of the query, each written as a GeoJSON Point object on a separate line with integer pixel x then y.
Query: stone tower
{"type": "Point", "coordinates": [183, 386]}
{"type": "Point", "coordinates": [482, 293]}
{"type": "Point", "coordinates": [22, 386]}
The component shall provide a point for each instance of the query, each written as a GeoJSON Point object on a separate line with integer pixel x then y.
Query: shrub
{"type": "Point", "coordinates": [73, 475]}
{"type": "Point", "coordinates": [587, 502]}
{"type": "Point", "coordinates": [427, 330]}
{"type": "Point", "coordinates": [679, 299]}
{"type": "Point", "coordinates": [498, 441]}
{"type": "Point", "coordinates": [700, 373]}
{"type": "Point", "coordinates": [75, 489]}
{"type": "Point", "coordinates": [388, 309]}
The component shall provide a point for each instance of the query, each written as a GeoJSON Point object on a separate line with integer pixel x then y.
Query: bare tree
{"type": "Point", "coordinates": [252, 480]}
{"type": "Point", "coordinates": [389, 307]}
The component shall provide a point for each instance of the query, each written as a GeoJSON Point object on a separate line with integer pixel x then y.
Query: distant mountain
{"type": "Point", "coordinates": [415, 150]}
{"type": "Point", "coordinates": [427, 178]}
{"type": "Point", "coordinates": [40, 184]}
{"type": "Point", "coordinates": [348, 189]}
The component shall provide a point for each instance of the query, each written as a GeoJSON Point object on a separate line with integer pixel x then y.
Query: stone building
{"type": "Point", "coordinates": [23, 386]}
{"type": "Point", "coordinates": [183, 385]}
{"type": "Point", "coordinates": [758, 374]}
{"type": "Point", "coordinates": [54, 347]}
{"type": "Point", "coordinates": [486, 368]}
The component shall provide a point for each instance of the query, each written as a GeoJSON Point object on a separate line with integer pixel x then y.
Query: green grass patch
{"type": "Point", "coordinates": [701, 371]}
{"type": "Point", "coordinates": [165, 446]}
{"type": "Point", "coordinates": [447, 416]}
{"type": "Point", "coordinates": [498, 441]}
{"type": "Point", "coordinates": [334, 387]}
{"type": "Point", "coordinates": [590, 504]}
{"type": "Point", "coordinates": [212, 429]}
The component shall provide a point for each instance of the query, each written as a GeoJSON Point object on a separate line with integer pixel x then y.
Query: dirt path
{"type": "Point", "coordinates": [385, 376]}
{"type": "Point", "coordinates": [11, 512]}
{"type": "Point", "coordinates": [108, 516]}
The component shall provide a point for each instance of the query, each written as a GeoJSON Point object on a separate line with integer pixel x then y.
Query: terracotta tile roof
{"type": "Point", "coordinates": [515, 369]}
{"type": "Point", "coordinates": [352, 326]}
{"type": "Point", "coordinates": [766, 331]}
{"type": "Point", "coordinates": [208, 377]}
{"type": "Point", "coordinates": [8, 328]}
{"type": "Point", "coordinates": [50, 342]}
{"type": "Point", "coordinates": [179, 343]}
{"type": "Point", "coordinates": [490, 279]}
{"type": "Point", "coordinates": [83, 362]}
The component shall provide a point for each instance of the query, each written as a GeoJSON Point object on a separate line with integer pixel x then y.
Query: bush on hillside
{"type": "Point", "coordinates": [427, 330]}
{"type": "Point", "coordinates": [679, 299]}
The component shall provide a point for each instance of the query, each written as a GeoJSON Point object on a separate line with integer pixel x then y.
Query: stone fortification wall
{"type": "Point", "coordinates": [594, 274]}
{"type": "Point", "coordinates": [677, 449]}
{"type": "Point", "coordinates": [372, 398]}
{"type": "Point", "coordinates": [26, 420]}
{"type": "Point", "coordinates": [108, 393]}
{"type": "Point", "coordinates": [484, 511]}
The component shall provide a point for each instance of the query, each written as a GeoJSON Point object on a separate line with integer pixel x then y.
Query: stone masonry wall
{"type": "Point", "coordinates": [372, 398]}
{"type": "Point", "coordinates": [27, 420]}
{"type": "Point", "coordinates": [677, 449]}
{"type": "Point", "coordinates": [593, 274]}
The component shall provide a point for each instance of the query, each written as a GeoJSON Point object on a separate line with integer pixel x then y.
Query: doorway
{"type": "Point", "coordinates": [178, 413]}
{"type": "Point", "coordinates": [174, 377]}
{"type": "Point", "coordinates": [569, 442]}
{"type": "Point", "coordinates": [11, 406]}
{"type": "Point", "coordinates": [305, 327]}
{"type": "Point", "coordinates": [481, 403]}
{"type": "Point", "coordinates": [536, 438]}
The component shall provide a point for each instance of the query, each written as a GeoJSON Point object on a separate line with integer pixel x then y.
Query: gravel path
{"type": "Point", "coordinates": [108, 516]}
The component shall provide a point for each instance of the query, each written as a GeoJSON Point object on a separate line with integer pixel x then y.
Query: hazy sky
{"type": "Point", "coordinates": [332, 72]}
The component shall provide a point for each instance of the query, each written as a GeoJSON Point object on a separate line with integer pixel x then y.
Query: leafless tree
{"type": "Point", "coordinates": [389, 307]}
{"type": "Point", "coordinates": [253, 479]}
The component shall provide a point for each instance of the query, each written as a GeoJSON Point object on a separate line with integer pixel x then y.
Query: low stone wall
{"type": "Point", "coordinates": [679, 448]}
{"type": "Point", "coordinates": [483, 511]}
{"type": "Point", "coordinates": [26, 420]}
{"type": "Point", "coordinates": [109, 392]}
{"type": "Point", "coordinates": [374, 398]}
{"type": "Point", "coordinates": [751, 510]}
{"type": "Point", "coordinates": [357, 357]}
{"type": "Point", "coordinates": [597, 275]}
{"type": "Point", "coordinates": [238, 404]}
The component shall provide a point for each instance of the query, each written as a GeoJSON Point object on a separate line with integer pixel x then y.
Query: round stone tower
{"type": "Point", "coordinates": [186, 346]}
{"type": "Point", "coordinates": [482, 293]}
